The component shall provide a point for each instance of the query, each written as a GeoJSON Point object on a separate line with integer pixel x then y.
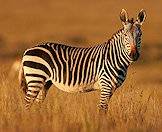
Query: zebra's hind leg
{"type": "Point", "coordinates": [34, 88]}
{"type": "Point", "coordinates": [43, 92]}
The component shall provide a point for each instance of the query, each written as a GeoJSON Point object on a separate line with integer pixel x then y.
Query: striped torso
{"type": "Point", "coordinates": [74, 69]}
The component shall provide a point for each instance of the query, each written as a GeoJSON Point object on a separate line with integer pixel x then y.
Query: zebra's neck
{"type": "Point", "coordinates": [116, 54]}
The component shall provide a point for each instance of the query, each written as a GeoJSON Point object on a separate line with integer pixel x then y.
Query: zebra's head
{"type": "Point", "coordinates": [132, 33]}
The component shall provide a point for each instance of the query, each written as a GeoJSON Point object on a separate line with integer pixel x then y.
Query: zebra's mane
{"type": "Point", "coordinates": [120, 30]}
{"type": "Point", "coordinates": [114, 35]}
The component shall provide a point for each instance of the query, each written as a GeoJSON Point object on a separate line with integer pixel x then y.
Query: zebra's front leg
{"type": "Point", "coordinates": [106, 93]}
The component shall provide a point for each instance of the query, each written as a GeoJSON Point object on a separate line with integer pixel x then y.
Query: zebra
{"type": "Point", "coordinates": [75, 69]}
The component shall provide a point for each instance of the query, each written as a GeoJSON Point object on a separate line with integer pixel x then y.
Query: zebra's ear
{"type": "Point", "coordinates": [123, 16]}
{"type": "Point", "coordinates": [141, 17]}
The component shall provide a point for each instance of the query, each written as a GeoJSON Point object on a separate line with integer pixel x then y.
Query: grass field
{"type": "Point", "coordinates": [135, 107]}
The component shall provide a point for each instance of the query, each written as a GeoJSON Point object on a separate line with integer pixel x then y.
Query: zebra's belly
{"type": "Point", "coordinates": [77, 88]}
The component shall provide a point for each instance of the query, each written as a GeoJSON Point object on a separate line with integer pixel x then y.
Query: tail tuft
{"type": "Point", "coordinates": [22, 80]}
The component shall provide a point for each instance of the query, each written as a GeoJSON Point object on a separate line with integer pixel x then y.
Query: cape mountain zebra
{"type": "Point", "coordinates": [73, 69]}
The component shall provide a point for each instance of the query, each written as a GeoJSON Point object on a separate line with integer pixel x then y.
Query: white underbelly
{"type": "Point", "coordinates": [77, 88]}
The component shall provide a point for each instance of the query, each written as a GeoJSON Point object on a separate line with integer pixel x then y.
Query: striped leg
{"type": "Point", "coordinates": [43, 92]}
{"type": "Point", "coordinates": [41, 95]}
{"type": "Point", "coordinates": [106, 93]}
{"type": "Point", "coordinates": [34, 88]}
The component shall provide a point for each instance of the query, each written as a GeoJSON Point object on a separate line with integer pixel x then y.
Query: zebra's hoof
{"type": "Point", "coordinates": [102, 111]}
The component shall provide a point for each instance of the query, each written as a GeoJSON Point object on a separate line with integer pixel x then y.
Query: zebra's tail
{"type": "Point", "coordinates": [22, 80]}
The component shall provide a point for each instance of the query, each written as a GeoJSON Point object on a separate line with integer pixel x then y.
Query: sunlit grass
{"type": "Point", "coordinates": [133, 107]}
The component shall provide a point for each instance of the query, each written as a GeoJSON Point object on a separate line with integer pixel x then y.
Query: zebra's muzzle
{"type": "Point", "coordinates": [134, 52]}
{"type": "Point", "coordinates": [135, 56]}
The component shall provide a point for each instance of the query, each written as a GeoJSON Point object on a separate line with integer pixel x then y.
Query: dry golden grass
{"type": "Point", "coordinates": [135, 107]}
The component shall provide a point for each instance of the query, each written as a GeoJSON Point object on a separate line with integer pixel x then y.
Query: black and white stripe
{"type": "Point", "coordinates": [74, 69]}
